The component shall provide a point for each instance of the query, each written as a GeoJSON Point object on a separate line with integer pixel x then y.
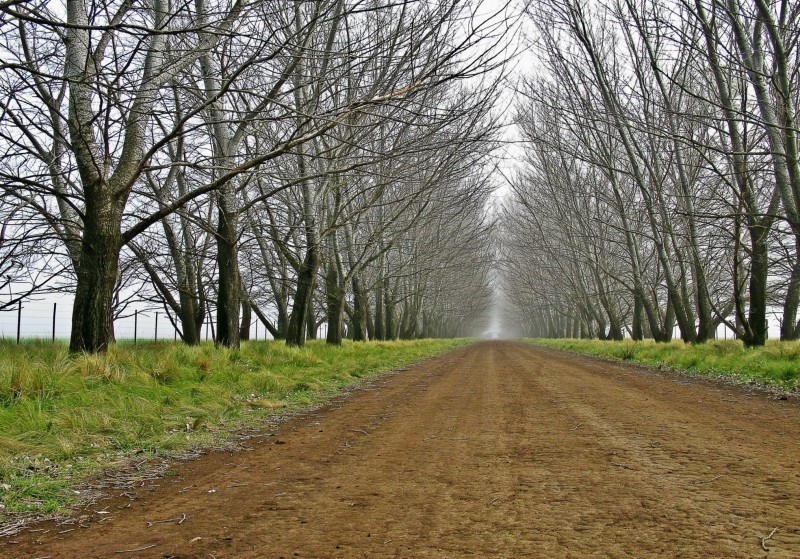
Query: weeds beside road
{"type": "Point", "coordinates": [776, 364]}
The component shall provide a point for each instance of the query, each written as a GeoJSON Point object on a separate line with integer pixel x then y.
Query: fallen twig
{"type": "Point", "coordinates": [578, 426]}
{"type": "Point", "coordinates": [765, 538]}
{"type": "Point", "coordinates": [699, 481]}
{"type": "Point", "coordinates": [179, 519]}
{"type": "Point", "coordinates": [618, 465]}
{"type": "Point", "coordinates": [137, 549]}
{"type": "Point", "coordinates": [359, 431]}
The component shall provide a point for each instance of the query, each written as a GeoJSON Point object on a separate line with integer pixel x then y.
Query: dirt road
{"type": "Point", "coordinates": [496, 450]}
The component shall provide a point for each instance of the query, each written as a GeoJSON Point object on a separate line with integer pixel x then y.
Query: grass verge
{"type": "Point", "coordinates": [63, 418]}
{"type": "Point", "coordinates": [777, 364]}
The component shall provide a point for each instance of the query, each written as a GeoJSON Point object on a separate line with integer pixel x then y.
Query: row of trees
{"type": "Point", "coordinates": [661, 185]}
{"type": "Point", "coordinates": [303, 161]}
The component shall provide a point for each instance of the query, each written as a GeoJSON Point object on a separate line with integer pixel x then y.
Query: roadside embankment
{"type": "Point", "coordinates": [776, 365]}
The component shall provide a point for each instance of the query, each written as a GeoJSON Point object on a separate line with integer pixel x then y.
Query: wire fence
{"type": "Point", "coordinates": [52, 320]}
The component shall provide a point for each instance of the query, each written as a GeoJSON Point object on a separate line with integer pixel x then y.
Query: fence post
{"type": "Point", "coordinates": [135, 325]}
{"type": "Point", "coordinates": [155, 337]}
{"type": "Point", "coordinates": [256, 336]}
{"type": "Point", "coordinates": [19, 319]}
{"type": "Point", "coordinates": [54, 321]}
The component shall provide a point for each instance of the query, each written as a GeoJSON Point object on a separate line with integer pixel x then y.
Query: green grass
{"type": "Point", "coordinates": [65, 417]}
{"type": "Point", "coordinates": [776, 364]}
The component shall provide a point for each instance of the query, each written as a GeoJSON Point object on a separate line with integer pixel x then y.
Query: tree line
{"type": "Point", "coordinates": [296, 161]}
{"type": "Point", "coordinates": [661, 181]}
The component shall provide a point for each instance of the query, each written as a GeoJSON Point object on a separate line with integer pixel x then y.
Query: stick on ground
{"type": "Point", "coordinates": [765, 538]}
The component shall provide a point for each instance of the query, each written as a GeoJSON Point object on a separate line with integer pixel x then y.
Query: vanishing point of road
{"type": "Point", "coordinates": [496, 450]}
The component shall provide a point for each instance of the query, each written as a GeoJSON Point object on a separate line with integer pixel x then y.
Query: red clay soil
{"type": "Point", "coordinates": [496, 450]}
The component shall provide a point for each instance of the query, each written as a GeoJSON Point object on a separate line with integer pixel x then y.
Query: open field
{"type": "Point", "coordinates": [496, 450]}
{"type": "Point", "coordinates": [62, 417]}
{"type": "Point", "coordinates": [776, 364]}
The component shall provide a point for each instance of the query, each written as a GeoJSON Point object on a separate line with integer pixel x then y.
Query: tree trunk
{"type": "Point", "coordinates": [296, 329]}
{"type": "Point", "coordinates": [388, 313]}
{"type": "Point", "coordinates": [335, 301]}
{"type": "Point", "coordinates": [637, 333]}
{"type": "Point", "coordinates": [229, 294]}
{"type": "Point", "coordinates": [756, 333]}
{"type": "Point", "coordinates": [659, 332]}
{"type": "Point", "coordinates": [426, 327]}
{"type": "Point", "coordinates": [379, 308]}
{"type": "Point", "coordinates": [190, 330]}
{"type": "Point", "coordinates": [359, 311]}
{"type": "Point", "coordinates": [615, 330]}
{"type": "Point", "coordinates": [92, 314]}
{"type": "Point", "coordinates": [311, 318]}
{"type": "Point", "coordinates": [669, 321]}
{"type": "Point", "coordinates": [788, 325]}
{"type": "Point", "coordinates": [371, 335]}
{"type": "Point", "coordinates": [282, 325]}
{"type": "Point", "coordinates": [247, 318]}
